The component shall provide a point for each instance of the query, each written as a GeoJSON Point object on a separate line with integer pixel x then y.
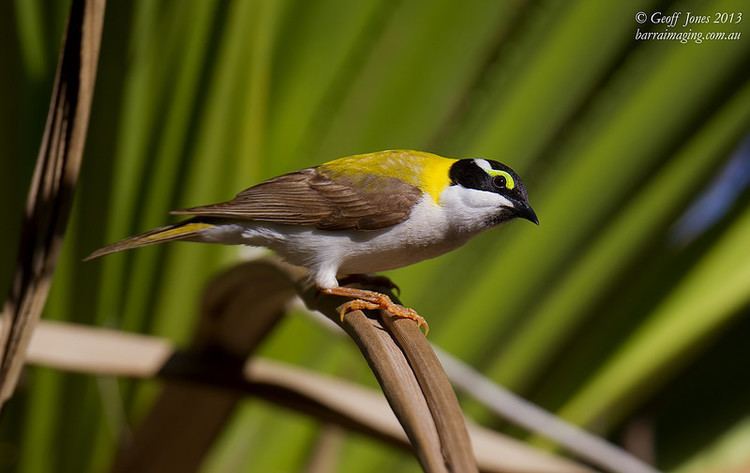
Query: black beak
{"type": "Point", "coordinates": [524, 210]}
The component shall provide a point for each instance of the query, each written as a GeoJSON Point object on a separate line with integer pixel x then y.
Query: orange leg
{"type": "Point", "coordinates": [371, 300]}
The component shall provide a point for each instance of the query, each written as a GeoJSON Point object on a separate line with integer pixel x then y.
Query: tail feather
{"type": "Point", "coordinates": [178, 231]}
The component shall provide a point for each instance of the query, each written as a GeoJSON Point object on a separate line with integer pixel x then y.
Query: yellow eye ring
{"type": "Point", "coordinates": [510, 184]}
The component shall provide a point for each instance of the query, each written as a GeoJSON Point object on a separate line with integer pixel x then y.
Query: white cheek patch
{"type": "Point", "coordinates": [459, 196]}
{"type": "Point", "coordinates": [471, 208]}
{"type": "Point", "coordinates": [479, 199]}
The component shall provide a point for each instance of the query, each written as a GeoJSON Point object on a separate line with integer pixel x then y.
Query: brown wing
{"type": "Point", "coordinates": [312, 198]}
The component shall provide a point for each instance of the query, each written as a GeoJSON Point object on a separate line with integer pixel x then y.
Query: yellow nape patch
{"type": "Point", "coordinates": [436, 177]}
{"type": "Point", "coordinates": [173, 232]}
{"type": "Point", "coordinates": [429, 172]}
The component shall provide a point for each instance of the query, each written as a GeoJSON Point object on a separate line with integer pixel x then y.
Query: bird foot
{"type": "Point", "coordinates": [371, 300]}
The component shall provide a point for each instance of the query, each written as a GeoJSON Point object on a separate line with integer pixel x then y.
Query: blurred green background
{"type": "Point", "coordinates": [628, 307]}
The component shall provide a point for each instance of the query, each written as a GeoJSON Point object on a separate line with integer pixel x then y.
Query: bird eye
{"type": "Point", "coordinates": [499, 182]}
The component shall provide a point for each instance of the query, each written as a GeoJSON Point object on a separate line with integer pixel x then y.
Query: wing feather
{"type": "Point", "coordinates": [311, 197]}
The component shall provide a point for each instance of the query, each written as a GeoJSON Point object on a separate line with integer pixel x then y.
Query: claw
{"type": "Point", "coordinates": [356, 304]}
{"type": "Point", "coordinates": [370, 300]}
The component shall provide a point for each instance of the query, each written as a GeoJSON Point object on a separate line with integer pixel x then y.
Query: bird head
{"type": "Point", "coordinates": [490, 191]}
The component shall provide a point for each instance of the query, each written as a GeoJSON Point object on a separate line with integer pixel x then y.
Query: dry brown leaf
{"type": "Point", "coordinates": [51, 193]}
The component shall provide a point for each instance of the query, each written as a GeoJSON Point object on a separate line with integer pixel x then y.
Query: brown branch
{"type": "Point", "coordinates": [413, 381]}
{"type": "Point", "coordinates": [239, 308]}
{"type": "Point", "coordinates": [439, 393]}
{"type": "Point", "coordinates": [98, 351]}
{"type": "Point", "coordinates": [51, 193]}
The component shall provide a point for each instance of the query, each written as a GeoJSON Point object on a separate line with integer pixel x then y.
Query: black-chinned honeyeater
{"type": "Point", "coordinates": [358, 215]}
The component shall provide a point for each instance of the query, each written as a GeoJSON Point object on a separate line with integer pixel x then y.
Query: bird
{"type": "Point", "coordinates": [357, 215]}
